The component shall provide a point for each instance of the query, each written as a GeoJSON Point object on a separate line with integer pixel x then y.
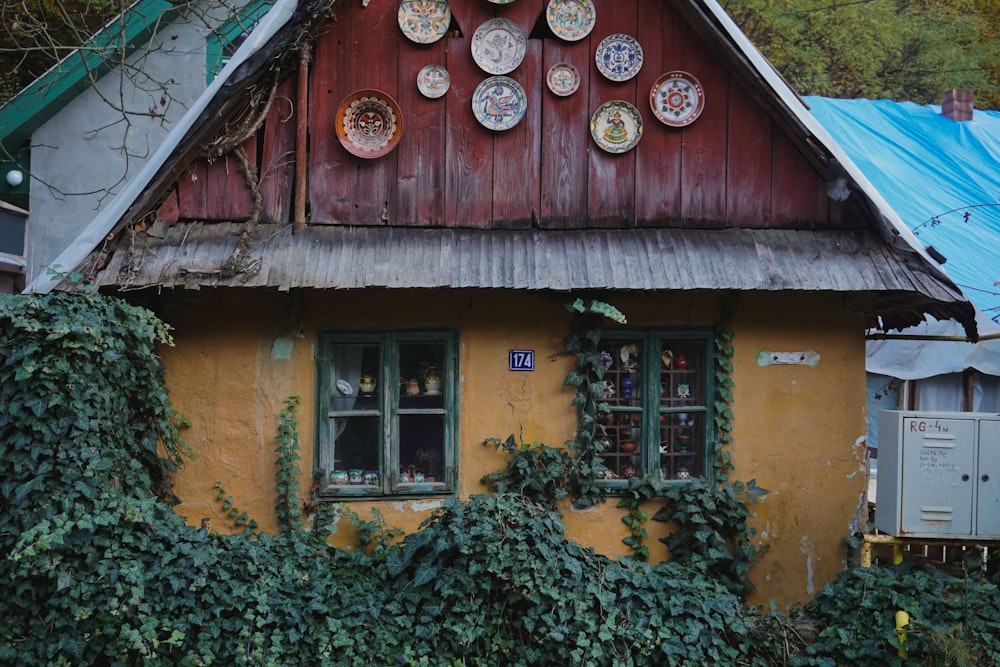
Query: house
{"type": "Point", "coordinates": [72, 140]}
{"type": "Point", "coordinates": [405, 271]}
{"type": "Point", "coordinates": [938, 166]}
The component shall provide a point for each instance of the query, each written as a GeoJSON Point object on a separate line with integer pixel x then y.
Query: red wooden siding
{"type": "Point", "coordinates": [731, 167]}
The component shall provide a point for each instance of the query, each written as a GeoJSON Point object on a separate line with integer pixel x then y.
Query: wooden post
{"type": "Point", "coordinates": [301, 138]}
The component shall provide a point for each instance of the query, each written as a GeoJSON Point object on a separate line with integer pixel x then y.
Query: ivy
{"type": "Point", "coordinates": [587, 378]}
{"type": "Point", "coordinates": [638, 491]}
{"type": "Point", "coordinates": [288, 508]}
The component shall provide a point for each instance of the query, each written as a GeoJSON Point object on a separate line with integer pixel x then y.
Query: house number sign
{"type": "Point", "coordinates": [522, 360]}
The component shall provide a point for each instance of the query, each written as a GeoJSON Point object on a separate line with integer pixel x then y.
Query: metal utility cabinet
{"type": "Point", "coordinates": [939, 475]}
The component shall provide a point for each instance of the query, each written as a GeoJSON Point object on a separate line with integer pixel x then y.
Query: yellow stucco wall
{"type": "Point", "coordinates": [239, 353]}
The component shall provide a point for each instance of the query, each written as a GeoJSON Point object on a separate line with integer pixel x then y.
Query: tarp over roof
{"type": "Point", "coordinates": [933, 171]}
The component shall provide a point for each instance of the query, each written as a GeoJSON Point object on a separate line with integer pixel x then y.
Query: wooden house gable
{"type": "Point", "coordinates": [734, 166]}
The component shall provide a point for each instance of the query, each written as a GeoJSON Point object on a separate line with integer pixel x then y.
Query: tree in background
{"type": "Point", "coordinates": [910, 50]}
{"type": "Point", "coordinates": [36, 34]}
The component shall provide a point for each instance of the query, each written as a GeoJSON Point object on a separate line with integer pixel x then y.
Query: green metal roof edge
{"type": "Point", "coordinates": [245, 21]}
{"type": "Point", "coordinates": [49, 93]}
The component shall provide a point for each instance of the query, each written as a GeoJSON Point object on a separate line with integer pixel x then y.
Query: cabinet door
{"type": "Point", "coordinates": [938, 469]}
{"type": "Point", "coordinates": [988, 479]}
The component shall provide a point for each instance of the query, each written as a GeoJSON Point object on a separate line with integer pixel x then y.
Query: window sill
{"type": "Point", "coordinates": [337, 491]}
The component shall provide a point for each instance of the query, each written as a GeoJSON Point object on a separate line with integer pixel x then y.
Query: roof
{"type": "Point", "coordinates": [332, 256]}
{"type": "Point", "coordinates": [942, 177]}
{"type": "Point", "coordinates": [905, 263]}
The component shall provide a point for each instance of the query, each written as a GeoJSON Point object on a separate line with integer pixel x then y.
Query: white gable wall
{"type": "Point", "coordinates": [85, 154]}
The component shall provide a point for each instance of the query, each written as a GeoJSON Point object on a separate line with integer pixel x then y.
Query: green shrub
{"type": "Point", "coordinates": [949, 617]}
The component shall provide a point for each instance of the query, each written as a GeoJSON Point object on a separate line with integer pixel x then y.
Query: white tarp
{"type": "Point", "coordinates": [916, 359]}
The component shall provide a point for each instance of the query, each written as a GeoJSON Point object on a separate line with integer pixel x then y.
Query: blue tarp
{"type": "Point", "coordinates": [942, 177]}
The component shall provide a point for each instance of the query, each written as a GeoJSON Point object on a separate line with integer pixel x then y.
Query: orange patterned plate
{"type": "Point", "coordinates": [369, 123]}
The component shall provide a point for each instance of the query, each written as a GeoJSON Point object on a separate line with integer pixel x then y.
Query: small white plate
{"type": "Point", "coordinates": [433, 81]}
{"type": "Point", "coordinates": [563, 79]}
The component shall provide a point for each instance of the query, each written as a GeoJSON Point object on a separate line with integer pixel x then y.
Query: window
{"type": "Point", "coordinates": [659, 386]}
{"type": "Point", "coordinates": [387, 413]}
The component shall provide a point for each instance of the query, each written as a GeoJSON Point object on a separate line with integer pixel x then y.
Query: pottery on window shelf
{"type": "Point", "coordinates": [681, 362]}
{"type": "Point", "coordinates": [629, 354]}
{"type": "Point", "coordinates": [627, 446]}
{"type": "Point", "coordinates": [412, 387]}
{"type": "Point", "coordinates": [366, 384]}
{"type": "Point", "coordinates": [432, 380]}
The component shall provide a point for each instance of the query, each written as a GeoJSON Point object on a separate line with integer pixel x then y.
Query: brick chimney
{"type": "Point", "coordinates": [957, 104]}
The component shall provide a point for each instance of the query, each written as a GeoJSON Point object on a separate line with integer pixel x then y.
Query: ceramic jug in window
{"type": "Point", "coordinates": [432, 380]}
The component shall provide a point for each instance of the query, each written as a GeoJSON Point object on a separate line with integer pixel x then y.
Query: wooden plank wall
{"type": "Point", "coordinates": [731, 167]}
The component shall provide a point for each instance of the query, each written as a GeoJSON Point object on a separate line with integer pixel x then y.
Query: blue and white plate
{"type": "Point", "coordinates": [499, 103]}
{"type": "Point", "coordinates": [619, 57]}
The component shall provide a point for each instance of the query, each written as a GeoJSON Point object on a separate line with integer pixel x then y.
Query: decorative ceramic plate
{"type": "Point", "coordinates": [344, 388]}
{"type": "Point", "coordinates": [677, 99]}
{"type": "Point", "coordinates": [571, 20]}
{"type": "Point", "coordinates": [369, 123]}
{"type": "Point", "coordinates": [619, 57]}
{"type": "Point", "coordinates": [616, 126]}
{"type": "Point", "coordinates": [424, 21]}
{"type": "Point", "coordinates": [433, 81]}
{"type": "Point", "coordinates": [499, 103]}
{"type": "Point", "coordinates": [498, 46]}
{"type": "Point", "coordinates": [563, 79]}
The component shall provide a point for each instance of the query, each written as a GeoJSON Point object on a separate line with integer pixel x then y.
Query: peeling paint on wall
{"type": "Point", "coordinates": [282, 348]}
{"type": "Point", "coordinates": [810, 552]}
{"type": "Point", "coordinates": [426, 505]}
{"type": "Point", "coordinates": [807, 358]}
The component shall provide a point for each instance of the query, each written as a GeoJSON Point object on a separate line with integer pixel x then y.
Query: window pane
{"type": "Point", "coordinates": [682, 441]}
{"type": "Point", "coordinates": [352, 365]}
{"type": "Point", "coordinates": [622, 360]}
{"type": "Point", "coordinates": [421, 448]}
{"type": "Point", "coordinates": [621, 443]}
{"type": "Point", "coordinates": [356, 450]}
{"type": "Point", "coordinates": [682, 373]}
{"type": "Point", "coordinates": [420, 370]}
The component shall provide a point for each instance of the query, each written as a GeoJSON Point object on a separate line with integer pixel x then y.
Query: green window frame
{"type": "Point", "coordinates": [660, 388]}
{"type": "Point", "coordinates": [387, 410]}
{"type": "Point", "coordinates": [223, 42]}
